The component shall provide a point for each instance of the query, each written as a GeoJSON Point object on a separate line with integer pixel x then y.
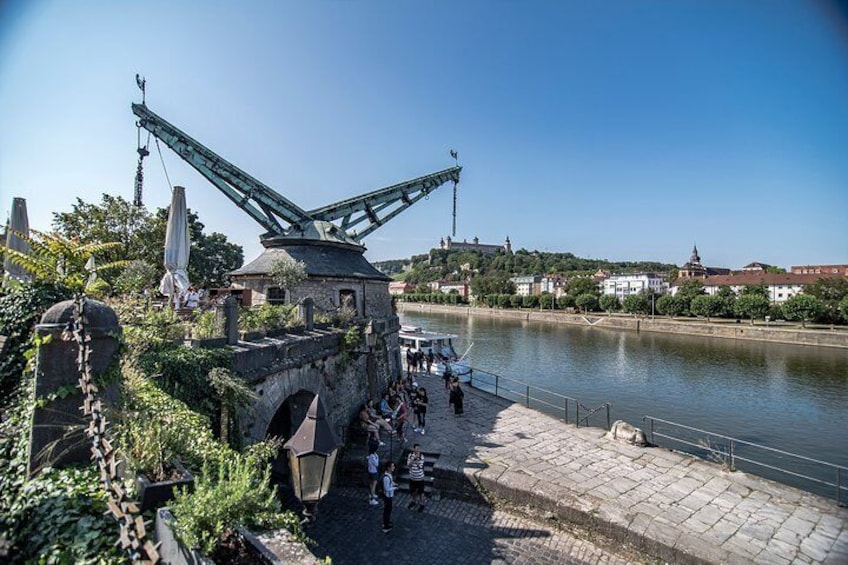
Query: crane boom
{"type": "Point", "coordinates": [269, 208]}
{"type": "Point", "coordinates": [372, 203]}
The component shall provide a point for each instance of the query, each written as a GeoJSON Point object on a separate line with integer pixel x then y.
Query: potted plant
{"type": "Point", "coordinates": [151, 447]}
{"type": "Point", "coordinates": [215, 519]}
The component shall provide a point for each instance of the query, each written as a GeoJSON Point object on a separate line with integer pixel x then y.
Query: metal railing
{"type": "Point", "coordinates": [736, 450]}
{"type": "Point", "coordinates": [535, 397]}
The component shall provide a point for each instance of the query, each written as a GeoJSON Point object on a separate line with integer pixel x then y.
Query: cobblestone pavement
{"type": "Point", "coordinates": [448, 531]}
{"type": "Point", "coordinates": [673, 506]}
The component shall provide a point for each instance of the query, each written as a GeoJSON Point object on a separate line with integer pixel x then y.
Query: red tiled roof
{"type": "Point", "coordinates": [768, 279]}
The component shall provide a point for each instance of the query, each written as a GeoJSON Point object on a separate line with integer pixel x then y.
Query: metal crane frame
{"type": "Point", "coordinates": [269, 208]}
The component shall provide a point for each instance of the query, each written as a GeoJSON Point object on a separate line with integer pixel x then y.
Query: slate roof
{"type": "Point", "coordinates": [321, 260]}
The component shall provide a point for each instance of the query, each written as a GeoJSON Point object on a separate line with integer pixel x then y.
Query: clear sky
{"type": "Point", "coordinates": [620, 130]}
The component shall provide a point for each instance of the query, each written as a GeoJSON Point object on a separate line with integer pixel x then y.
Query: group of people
{"type": "Point", "coordinates": [417, 361]}
{"type": "Point", "coordinates": [392, 412]}
{"type": "Point", "coordinates": [391, 415]}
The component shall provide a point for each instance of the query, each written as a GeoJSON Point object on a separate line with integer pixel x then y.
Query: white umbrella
{"type": "Point", "coordinates": [18, 223]}
{"type": "Point", "coordinates": [177, 243]}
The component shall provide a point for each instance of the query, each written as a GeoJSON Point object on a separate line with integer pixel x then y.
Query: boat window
{"type": "Point", "coordinates": [426, 343]}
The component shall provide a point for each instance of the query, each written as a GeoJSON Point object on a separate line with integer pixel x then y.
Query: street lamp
{"type": "Point", "coordinates": [312, 454]}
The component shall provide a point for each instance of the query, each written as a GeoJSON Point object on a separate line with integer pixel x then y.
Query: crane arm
{"type": "Point", "coordinates": [261, 203]}
{"type": "Point", "coordinates": [369, 206]}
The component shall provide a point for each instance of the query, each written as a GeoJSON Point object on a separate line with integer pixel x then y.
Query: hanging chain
{"type": "Point", "coordinates": [142, 151]}
{"type": "Point", "coordinates": [133, 536]}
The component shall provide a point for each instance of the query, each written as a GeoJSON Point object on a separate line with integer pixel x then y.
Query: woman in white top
{"type": "Point", "coordinates": [192, 298]}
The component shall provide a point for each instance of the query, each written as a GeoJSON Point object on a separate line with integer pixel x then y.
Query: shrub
{"type": "Point", "coordinates": [58, 516]}
{"type": "Point", "coordinates": [20, 309]}
{"type": "Point", "coordinates": [237, 494]}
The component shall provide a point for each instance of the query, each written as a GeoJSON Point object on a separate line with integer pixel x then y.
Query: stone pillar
{"type": "Point", "coordinates": [57, 436]}
{"type": "Point", "coordinates": [230, 314]}
{"type": "Point", "coordinates": [306, 310]}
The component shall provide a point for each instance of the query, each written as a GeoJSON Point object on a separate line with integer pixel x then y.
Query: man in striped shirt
{"type": "Point", "coordinates": [415, 464]}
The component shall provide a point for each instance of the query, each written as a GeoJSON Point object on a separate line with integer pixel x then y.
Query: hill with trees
{"type": "Point", "coordinates": [448, 265]}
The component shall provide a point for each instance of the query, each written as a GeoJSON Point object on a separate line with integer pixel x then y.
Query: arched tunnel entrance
{"type": "Point", "coordinates": [286, 420]}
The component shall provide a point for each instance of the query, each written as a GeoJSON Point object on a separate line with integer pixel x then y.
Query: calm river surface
{"type": "Point", "coordinates": [793, 398]}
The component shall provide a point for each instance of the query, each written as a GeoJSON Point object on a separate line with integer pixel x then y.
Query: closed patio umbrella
{"type": "Point", "coordinates": [18, 223]}
{"type": "Point", "coordinates": [177, 244]}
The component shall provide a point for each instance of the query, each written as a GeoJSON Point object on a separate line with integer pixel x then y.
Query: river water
{"type": "Point", "coordinates": [792, 398]}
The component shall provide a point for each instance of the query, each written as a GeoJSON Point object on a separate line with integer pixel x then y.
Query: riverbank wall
{"type": "Point", "coordinates": [724, 329]}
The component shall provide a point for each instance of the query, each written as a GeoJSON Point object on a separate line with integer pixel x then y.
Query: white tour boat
{"type": "Point", "coordinates": [413, 338]}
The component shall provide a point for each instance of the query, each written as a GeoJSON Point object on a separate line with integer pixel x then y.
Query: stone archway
{"type": "Point", "coordinates": [285, 421]}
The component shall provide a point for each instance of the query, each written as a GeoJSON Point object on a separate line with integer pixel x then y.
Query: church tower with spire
{"type": "Point", "coordinates": [693, 269]}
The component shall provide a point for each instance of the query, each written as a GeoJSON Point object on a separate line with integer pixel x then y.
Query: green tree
{"type": "Point", "coordinates": [546, 300]}
{"type": "Point", "coordinates": [288, 273]}
{"type": "Point", "coordinates": [706, 306]}
{"type": "Point", "coordinates": [830, 291]}
{"type": "Point", "coordinates": [686, 291]}
{"type": "Point", "coordinates": [141, 236]}
{"type": "Point", "coordinates": [752, 305]}
{"type": "Point", "coordinates": [582, 285]}
{"type": "Point", "coordinates": [483, 285]}
{"type": "Point", "coordinates": [587, 301]}
{"type": "Point", "coordinates": [114, 219]}
{"type": "Point", "coordinates": [609, 303]}
{"type": "Point", "coordinates": [530, 301]}
{"type": "Point", "coordinates": [802, 307]}
{"type": "Point", "coordinates": [727, 299]}
{"type": "Point", "coordinates": [758, 289]}
{"type": "Point", "coordinates": [565, 301]}
{"type": "Point", "coordinates": [135, 277]}
{"type": "Point", "coordinates": [62, 261]}
{"type": "Point", "coordinates": [636, 304]}
{"type": "Point", "coordinates": [843, 307]}
{"type": "Point", "coordinates": [515, 301]}
{"type": "Point", "coordinates": [671, 305]}
{"type": "Point", "coordinates": [212, 258]}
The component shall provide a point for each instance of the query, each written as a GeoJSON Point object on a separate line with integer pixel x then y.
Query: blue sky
{"type": "Point", "coordinates": [618, 130]}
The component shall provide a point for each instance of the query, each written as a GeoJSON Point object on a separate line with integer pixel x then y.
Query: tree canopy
{"type": "Point", "coordinates": [141, 237]}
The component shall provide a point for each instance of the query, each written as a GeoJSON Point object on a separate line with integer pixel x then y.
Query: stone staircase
{"type": "Point", "coordinates": [402, 474]}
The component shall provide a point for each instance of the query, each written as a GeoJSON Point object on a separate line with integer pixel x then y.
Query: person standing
{"type": "Point", "coordinates": [415, 464]}
{"type": "Point", "coordinates": [389, 487]}
{"type": "Point", "coordinates": [430, 359]}
{"type": "Point", "coordinates": [192, 298]}
{"type": "Point", "coordinates": [400, 416]}
{"type": "Point", "coordinates": [456, 396]}
{"type": "Point", "coordinates": [421, 402]}
{"type": "Point", "coordinates": [373, 462]}
{"type": "Point", "coordinates": [410, 361]}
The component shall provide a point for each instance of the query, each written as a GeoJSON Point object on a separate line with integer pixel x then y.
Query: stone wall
{"type": "Point", "coordinates": [372, 297]}
{"type": "Point", "coordinates": [724, 329]}
{"type": "Point", "coordinates": [278, 369]}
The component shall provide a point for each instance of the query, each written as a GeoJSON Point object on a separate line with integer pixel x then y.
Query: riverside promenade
{"type": "Point", "coordinates": [649, 503]}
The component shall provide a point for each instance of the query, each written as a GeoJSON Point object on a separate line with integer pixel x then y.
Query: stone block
{"type": "Point", "coordinates": [57, 436]}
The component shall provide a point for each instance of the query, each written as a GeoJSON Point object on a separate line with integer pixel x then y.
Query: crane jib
{"type": "Point", "coordinates": [267, 207]}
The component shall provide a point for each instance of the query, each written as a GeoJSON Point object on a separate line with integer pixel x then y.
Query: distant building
{"type": "Point", "coordinates": [400, 287]}
{"type": "Point", "coordinates": [551, 283]}
{"type": "Point", "coordinates": [447, 244]}
{"type": "Point", "coordinates": [446, 287]}
{"type": "Point", "coordinates": [527, 286]}
{"type": "Point", "coordinates": [779, 286]}
{"type": "Point", "coordinates": [833, 270]}
{"type": "Point", "coordinates": [756, 267]}
{"type": "Point", "coordinates": [693, 269]}
{"type": "Point", "coordinates": [622, 286]}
